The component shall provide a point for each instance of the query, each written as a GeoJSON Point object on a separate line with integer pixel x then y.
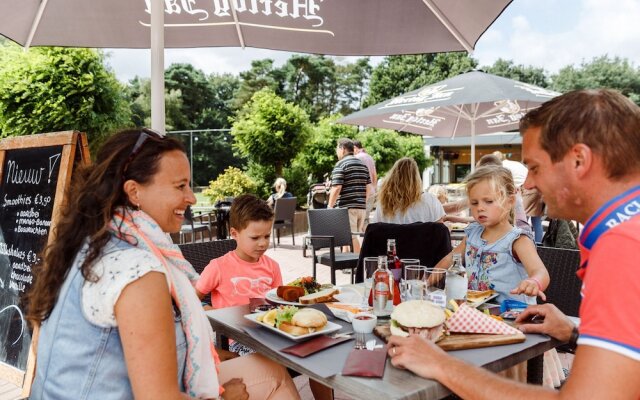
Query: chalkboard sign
{"type": "Point", "coordinates": [35, 171]}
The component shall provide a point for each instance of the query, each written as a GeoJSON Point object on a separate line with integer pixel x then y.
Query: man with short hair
{"type": "Point", "coordinates": [582, 151]}
{"type": "Point", "coordinates": [349, 181]}
{"type": "Point", "coordinates": [361, 154]}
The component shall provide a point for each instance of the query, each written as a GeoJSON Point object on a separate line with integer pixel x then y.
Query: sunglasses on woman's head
{"type": "Point", "coordinates": [145, 133]}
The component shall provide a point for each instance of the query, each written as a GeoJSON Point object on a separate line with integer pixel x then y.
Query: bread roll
{"type": "Point", "coordinates": [309, 318]}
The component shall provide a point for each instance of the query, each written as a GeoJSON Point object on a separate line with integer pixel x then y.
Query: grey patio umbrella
{"type": "Point", "coordinates": [469, 104]}
{"type": "Point", "coordinates": [337, 27]}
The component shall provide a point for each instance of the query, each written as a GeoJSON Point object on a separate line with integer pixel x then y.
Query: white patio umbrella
{"type": "Point", "coordinates": [468, 104]}
{"type": "Point", "coordinates": [337, 27]}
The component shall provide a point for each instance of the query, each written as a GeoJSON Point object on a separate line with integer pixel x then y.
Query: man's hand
{"type": "Point", "coordinates": [234, 389]}
{"type": "Point", "coordinates": [333, 195]}
{"type": "Point", "coordinates": [418, 355]}
{"type": "Point", "coordinates": [554, 323]}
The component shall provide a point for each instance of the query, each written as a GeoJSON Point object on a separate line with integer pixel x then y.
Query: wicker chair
{"type": "Point", "coordinates": [564, 289]}
{"type": "Point", "coordinates": [329, 228]}
{"type": "Point", "coordinates": [200, 254]}
{"type": "Point", "coordinates": [284, 211]}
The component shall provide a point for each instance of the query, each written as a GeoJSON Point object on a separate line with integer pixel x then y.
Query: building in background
{"type": "Point", "coordinates": [452, 157]}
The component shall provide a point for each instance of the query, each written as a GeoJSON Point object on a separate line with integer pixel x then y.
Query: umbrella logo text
{"type": "Point", "coordinates": [421, 118]}
{"type": "Point", "coordinates": [426, 95]}
{"type": "Point", "coordinates": [536, 90]}
{"type": "Point", "coordinates": [295, 9]}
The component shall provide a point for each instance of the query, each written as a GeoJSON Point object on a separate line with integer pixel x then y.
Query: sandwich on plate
{"type": "Point", "coordinates": [295, 321]}
{"type": "Point", "coordinates": [419, 317]}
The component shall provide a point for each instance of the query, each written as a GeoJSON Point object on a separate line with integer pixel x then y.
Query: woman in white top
{"type": "Point", "coordinates": [401, 199]}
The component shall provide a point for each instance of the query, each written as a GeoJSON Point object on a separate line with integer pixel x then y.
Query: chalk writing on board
{"type": "Point", "coordinates": [27, 194]}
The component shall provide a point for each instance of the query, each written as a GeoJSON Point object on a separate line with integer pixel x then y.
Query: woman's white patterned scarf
{"type": "Point", "coordinates": [138, 228]}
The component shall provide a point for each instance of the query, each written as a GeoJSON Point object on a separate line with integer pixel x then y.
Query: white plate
{"type": "Point", "coordinates": [477, 303]}
{"type": "Point", "coordinates": [272, 295]}
{"type": "Point", "coordinates": [328, 328]}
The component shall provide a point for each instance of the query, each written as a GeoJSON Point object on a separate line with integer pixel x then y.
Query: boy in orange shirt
{"type": "Point", "coordinates": [245, 272]}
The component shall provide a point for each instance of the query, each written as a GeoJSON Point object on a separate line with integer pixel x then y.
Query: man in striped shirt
{"type": "Point", "coordinates": [349, 189]}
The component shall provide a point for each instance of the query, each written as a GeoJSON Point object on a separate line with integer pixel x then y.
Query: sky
{"type": "Point", "coordinates": [550, 34]}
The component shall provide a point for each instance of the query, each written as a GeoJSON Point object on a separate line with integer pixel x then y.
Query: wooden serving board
{"type": "Point", "coordinates": [462, 341]}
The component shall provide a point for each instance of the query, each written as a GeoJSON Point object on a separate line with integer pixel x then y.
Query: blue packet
{"type": "Point", "coordinates": [508, 305]}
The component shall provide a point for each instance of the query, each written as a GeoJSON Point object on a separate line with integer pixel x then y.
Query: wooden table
{"type": "Point", "coordinates": [396, 383]}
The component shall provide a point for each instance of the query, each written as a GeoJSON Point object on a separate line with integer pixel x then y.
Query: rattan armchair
{"type": "Point", "coordinates": [329, 228]}
{"type": "Point", "coordinates": [564, 288]}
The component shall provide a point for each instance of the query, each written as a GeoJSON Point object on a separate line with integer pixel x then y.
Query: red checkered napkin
{"type": "Point", "coordinates": [470, 320]}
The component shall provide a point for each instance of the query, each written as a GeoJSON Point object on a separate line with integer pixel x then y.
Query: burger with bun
{"type": "Point", "coordinates": [297, 322]}
{"type": "Point", "coordinates": [419, 317]}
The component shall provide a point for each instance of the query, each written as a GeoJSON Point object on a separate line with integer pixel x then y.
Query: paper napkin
{"type": "Point", "coordinates": [470, 320]}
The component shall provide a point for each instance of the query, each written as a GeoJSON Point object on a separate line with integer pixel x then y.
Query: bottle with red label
{"type": "Point", "coordinates": [381, 286]}
{"type": "Point", "coordinates": [395, 266]}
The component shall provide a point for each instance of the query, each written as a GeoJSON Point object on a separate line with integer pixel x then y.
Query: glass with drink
{"type": "Point", "coordinates": [413, 284]}
{"type": "Point", "coordinates": [456, 288]}
{"type": "Point", "coordinates": [369, 267]}
{"type": "Point", "coordinates": [435, 280]}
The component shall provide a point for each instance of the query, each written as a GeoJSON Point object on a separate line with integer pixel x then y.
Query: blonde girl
{"type": "Point", "coordinates": [401, 199]}
{"type": "Point", "coordinates": [498, 255]}
{"type": "Point", "coordinates": [280, 186]}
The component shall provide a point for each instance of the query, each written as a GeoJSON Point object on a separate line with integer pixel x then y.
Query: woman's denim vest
{"type": "Point", "coordinates": [79, 360]}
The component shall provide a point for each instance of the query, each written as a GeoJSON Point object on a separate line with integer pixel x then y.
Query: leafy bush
{"type": "Point", "coordinates": [55, 89]}
{"type": "Point", "coordinates": [231, 183]}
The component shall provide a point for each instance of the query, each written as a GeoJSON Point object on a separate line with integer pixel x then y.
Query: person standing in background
{"type": "Point", "coordinates": [349, 187]}
{"type": "Point", "coordinates": [361, 154]}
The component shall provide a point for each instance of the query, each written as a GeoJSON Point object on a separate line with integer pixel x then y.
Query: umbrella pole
{"type": "Point", "coordinates": [473, 145]}
{"type": "Point", "coordinates": [157, 65]}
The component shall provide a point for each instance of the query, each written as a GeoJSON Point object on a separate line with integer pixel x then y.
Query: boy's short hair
{"type": "Point", "coordinates": [247, 208]}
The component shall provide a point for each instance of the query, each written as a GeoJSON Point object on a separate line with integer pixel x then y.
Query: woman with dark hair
{"type": "Point", "coordinates": [114, 297]}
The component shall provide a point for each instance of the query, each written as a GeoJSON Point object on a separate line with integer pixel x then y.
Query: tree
{"type": "Point", "coordinates": [219, 110]}
{"type": "Point", "coordinates": [387, 146]}
{"type": "Point", "coordinates": [53, 89]}
{"type": "Point", "coordinates": [262, 75]}
{"type": "Point", "coordinates": [212, 154]}
{"type": "Point", "coordinates": [138, 94]}
{"type": "Point", "coordinates": [270, 131]}
{"type": "Point", "coordinates": [196, 93]}
{"type": "Point", "coordinates": [528, 74]}
{"type": "Point", "coordinates": [318, 157]}
{"type": "Point", "coordinates": [601, 72]}
{"type": "Point", "coordinates": [400, 74]}
{"type": "Point", "coordinates": [353, 80]}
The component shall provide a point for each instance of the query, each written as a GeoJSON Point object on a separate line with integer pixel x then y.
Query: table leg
{"type": "Point", "coordinates": [534, 370]}
{"type": "Point", "coordinates": [222, 341]}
